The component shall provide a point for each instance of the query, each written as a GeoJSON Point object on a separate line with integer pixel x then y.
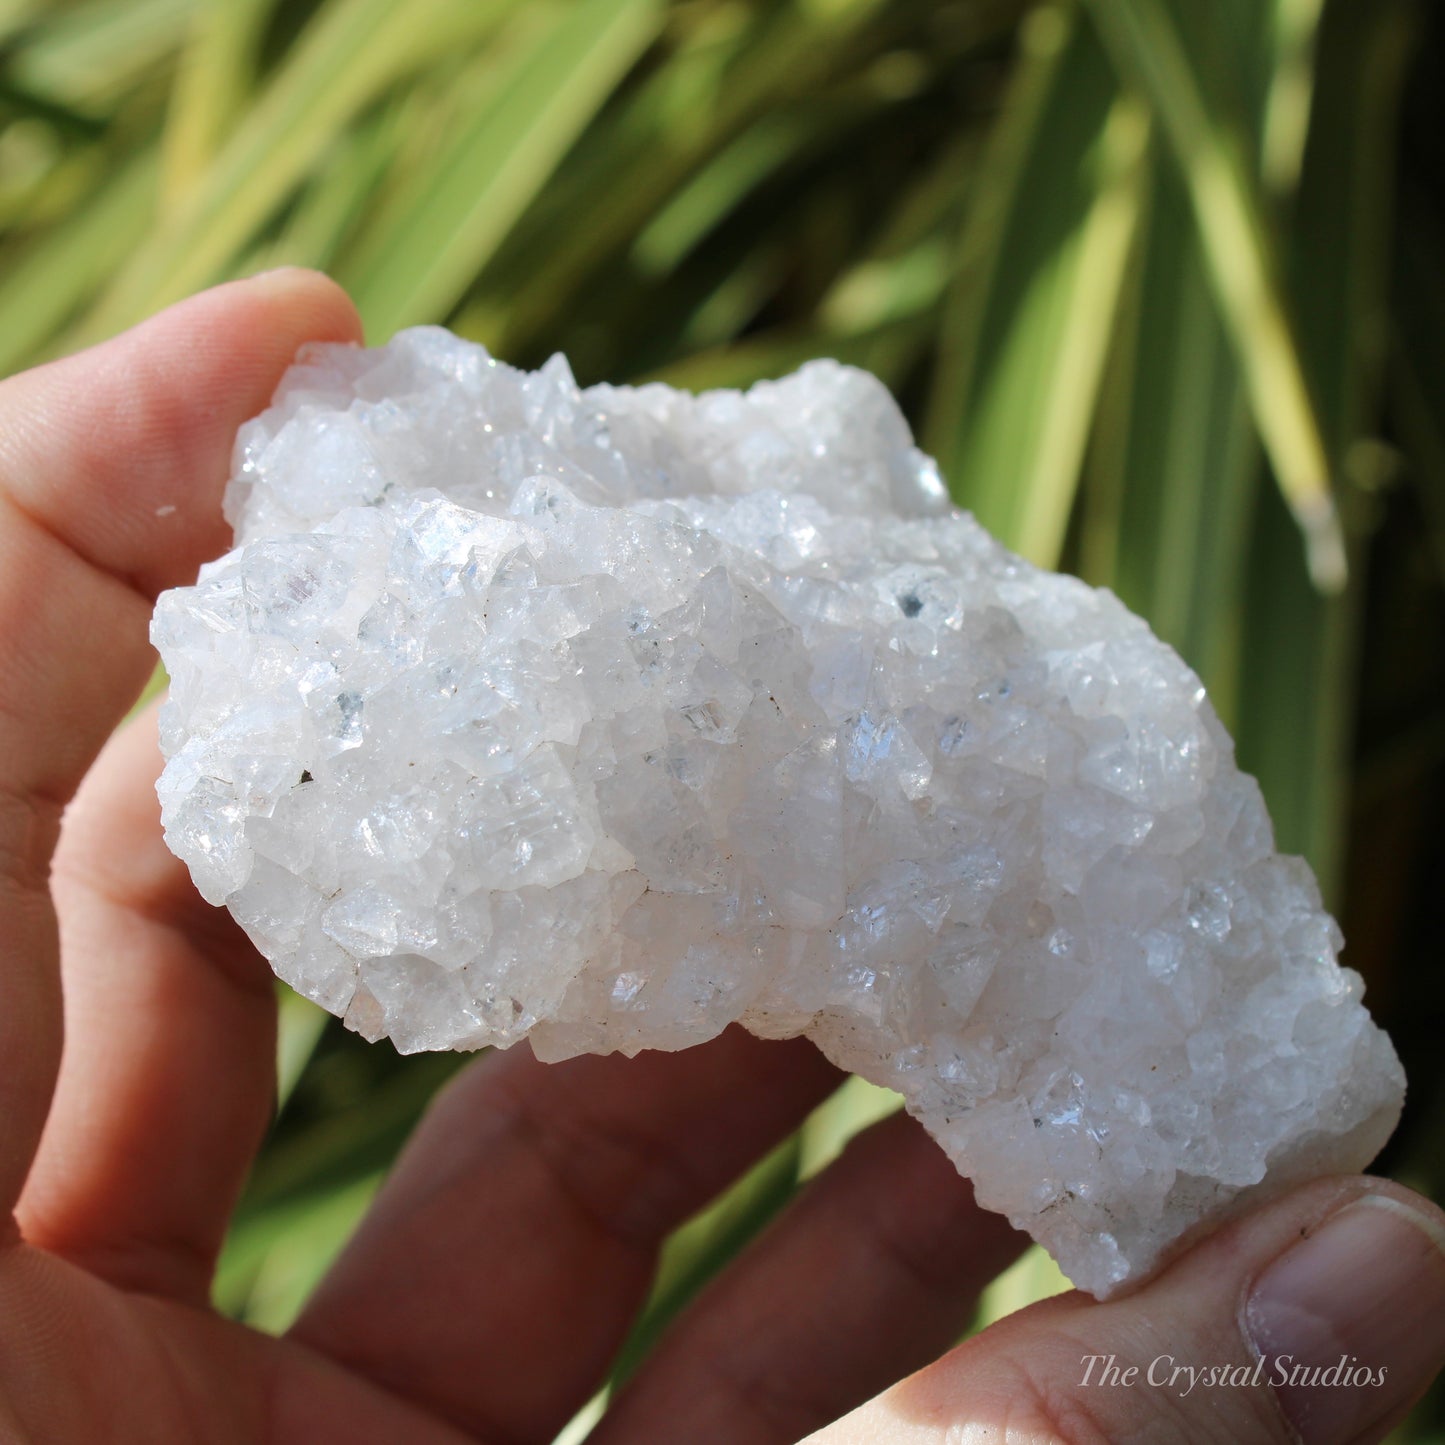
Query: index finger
{"type": "Point", "coordinates": [112, 464]}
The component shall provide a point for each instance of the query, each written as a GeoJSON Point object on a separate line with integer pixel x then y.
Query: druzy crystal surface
{"type": "Point", "coordinates": [609, 717]}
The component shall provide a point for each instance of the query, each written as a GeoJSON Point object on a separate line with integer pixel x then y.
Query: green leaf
{"type": "Point", "coordinates": [89, 54]}
{"type": "Point", "coordinates": [272, 1262]}
{"type": "Point", "coordinates": [212, 86]}
{"type": "Point", "coordinates": [347, 1144]}
{"type": "Point", "coordinates": [728, 67]}
{"type": "Point", "coordinates": [1033, 1276]}
{"type": "Point", "coordinates": [706, 1243]}
{"type": "Point", "coordinates": [342, 192]}
{"type": "Point", "coordinates": [717, 188]}
{"type": "Point", "coordinates": [445, 227]}
{"type": "Point", "coordinates": [351, 52]}
{"type": "Point", "coordinates": [1040, 276]}
{"type": "Point", "coordinates": [1299, 651]}
{"type": "Point", "coordinates": [1290, 94]}
{"type": "Point", "coordinates": [886, 350]}
{"type": "Point", "coordinates": [854, 1106]}
{"type": "Point", "coordinates": [299, 1026]}
{"type": "Point", "coordinates": [1175, 462]}
{"type": "Point", "coordinates": [1146, 46]}
{"type": "Point", "coordinates": [52, 280]}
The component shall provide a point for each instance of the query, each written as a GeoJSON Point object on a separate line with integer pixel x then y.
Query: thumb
{"type": "Point", "coordinates": [1320, 1317]}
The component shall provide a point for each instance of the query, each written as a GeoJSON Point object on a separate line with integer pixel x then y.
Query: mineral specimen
{"type": "Point", "coordinates": [608, 717]}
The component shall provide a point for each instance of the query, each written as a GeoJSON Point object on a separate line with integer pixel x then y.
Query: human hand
{"type": "Point", "coordinates": [497, 1273]}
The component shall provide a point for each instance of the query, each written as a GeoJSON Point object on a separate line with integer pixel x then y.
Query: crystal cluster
{"type": "Point", "coordinates": [609, 717]}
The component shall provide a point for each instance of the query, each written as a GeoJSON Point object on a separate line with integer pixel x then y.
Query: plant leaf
{"type": "Point", "coordinates": [1145, 44]}
{"type": "Point", "coordinates": [439, 233]}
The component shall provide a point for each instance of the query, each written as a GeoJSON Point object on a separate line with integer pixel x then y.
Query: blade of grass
{"type": "Point", "coordinates": [212, 84]}
{"type": "Point", "coordinates": [30, 152]}
{"type": "Point", "coordinates": [1232, 44]}
{"type": "Point", "coordinates": [1033, 1276]}
{"type": "Point", "coordinates": [1299, 651]}
{"type": "Point", "coordinates": [1146, 47]}
{"type": "Point", "coordinates": [727, 310]}
{"type": "Point", "coordinates": [18, 102]}
{"type": "Point", "coordinates": [580, 1426]}
{"type": "Point", "coordinates": [1293, 698]}
{"type": "Point", "coordinates": [768, 235]}
{"type": "Point", "coordinates": [1291, 90]}
{"type": "Point", "coordinates": [47, 284]}
{"type": "Point", "coordinates": [715, 82]}
{"type": "Point", "coordinates": [906, 268]}
{"type": "Point", "coordinates": [700, 1248]}
{"type": "Point", "coordinates": [440, 234]}
{"type": "Point", "coordinates": [340, 192]}
{"type": "Point", "coordinates": [773, 353]}
{"type": "Point", "coordinates": [349, 1143]}
{"type": "Point", "coordinates": [877, 291]}
{"type": "Point", "coordinates": [617, 176]}
{"type": "Point", "coordinates": [1046, 487]}
{"type": "Point", "coordinates": [717, 188]}
{"type": "Point", "coordinates": [87, 55]}
{"type": "Point", "coordinates": [852, 1107]}
{"type": "Point", "coordinates": [351, 52]}
{"type": "Point", "coordinates": [15, 15]}
{"type": "Point", "coordinates": [299, 1026]}
{"type": "Point", "coordinates": [1012, 139]}
{"type": "Point", "coordinates": [271, 1264]}
{"type": "Point", "coordinates": [1175, 456]}
{"type": "Point", "coordinates": [1013, 443]}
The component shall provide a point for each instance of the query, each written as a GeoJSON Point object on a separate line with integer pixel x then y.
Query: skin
{"type": "Point", "coordinates": [496, 1275]}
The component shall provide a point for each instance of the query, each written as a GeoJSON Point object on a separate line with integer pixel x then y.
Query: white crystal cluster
{"type": "Point", "coordinates": [609, 717]}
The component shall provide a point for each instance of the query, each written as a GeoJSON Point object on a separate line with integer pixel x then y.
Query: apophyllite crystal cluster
{"type": "Point", "coordinates": [606, 718]}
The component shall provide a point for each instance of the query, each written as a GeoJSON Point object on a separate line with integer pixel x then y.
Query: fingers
{"type": "Point", "coordinates": [502, 1264]}
{"type": "Point", "coordinates": [112, 464]}
{"type": "Point", "coordinates": [95, 451]}
{"type": "Point", "coordinates": [1319, 1318]}
{"type": "Point", "coordinates": [168, 1074]}
{"type": "Point", "coordinates": [873, 1271]}
{"type": "Point", "coordinates": [95, 446]}
{"type": "Point", "coordinates": [83, 1364]}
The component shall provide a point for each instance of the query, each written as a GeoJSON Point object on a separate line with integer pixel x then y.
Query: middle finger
{"type": "Point", "coordinates": [500, 1268]}
{"type": "Point", "coordinates": [870, 1274]}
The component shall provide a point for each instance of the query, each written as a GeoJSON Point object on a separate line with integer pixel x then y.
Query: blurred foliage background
{"type": "Point", "coordinates": [1160, 283]}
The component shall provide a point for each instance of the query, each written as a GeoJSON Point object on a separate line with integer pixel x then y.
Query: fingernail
{"type": "Point", "coordinates": [1350, 1322]}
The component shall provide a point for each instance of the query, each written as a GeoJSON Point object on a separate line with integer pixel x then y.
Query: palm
{"type": "Point", "coordinates": [131, 1368]}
